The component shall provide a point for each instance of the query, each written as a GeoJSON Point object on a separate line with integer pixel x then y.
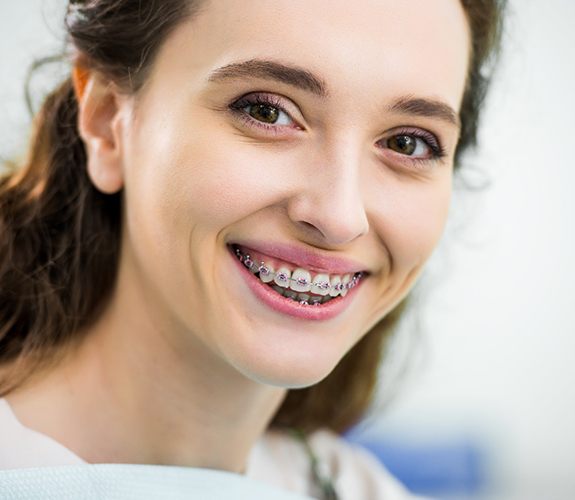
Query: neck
{"type": "Point", "coordinates": [147, 399]}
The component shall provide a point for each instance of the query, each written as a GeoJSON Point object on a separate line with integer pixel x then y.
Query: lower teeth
{"type": "Point", "coordinates": [301, 298]}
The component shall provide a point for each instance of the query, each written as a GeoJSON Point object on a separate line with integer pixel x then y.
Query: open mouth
{"type": "Point", "coordinates": [299, 285]}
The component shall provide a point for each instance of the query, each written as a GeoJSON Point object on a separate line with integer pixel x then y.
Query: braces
{"type": "Point", "coordinates": [324, 285]}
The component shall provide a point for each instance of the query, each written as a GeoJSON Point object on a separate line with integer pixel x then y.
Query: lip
{"type": "Point", "coordinates": [301, 257]}
{"type": "Point", "coordinates": [287, 306]}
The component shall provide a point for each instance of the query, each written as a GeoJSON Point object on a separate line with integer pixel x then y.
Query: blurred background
{"type": "Point", "coordinates": [477, 397]}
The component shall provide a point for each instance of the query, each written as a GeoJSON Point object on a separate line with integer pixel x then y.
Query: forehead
{"type": "Point", "coordinates": [386, 47]}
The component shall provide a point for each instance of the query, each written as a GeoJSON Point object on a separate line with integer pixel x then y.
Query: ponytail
{"type": "Point", "coordinates": [59, 240]}
{"type": "Point", "coordinates": [60, 236]}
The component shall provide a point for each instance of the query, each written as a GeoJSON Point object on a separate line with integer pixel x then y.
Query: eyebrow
{"type": "Point", "coordinates": [432, 108]}
{"type": "Point", "coordinates": [272, 70]}
{"type": "Point", "coordinates": [303, 79]}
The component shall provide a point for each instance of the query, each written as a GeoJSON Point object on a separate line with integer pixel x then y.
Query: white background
{"type": "Point", "coordinates": [495, 358]}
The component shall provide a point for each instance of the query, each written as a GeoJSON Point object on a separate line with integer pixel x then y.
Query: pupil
{"type": "Point", "coordinates": [404, 144]}
{"type": "Point", "coordinates": [264, 113]}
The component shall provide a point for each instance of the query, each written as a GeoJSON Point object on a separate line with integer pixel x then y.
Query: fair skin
{"type": "Point", "coordinates": [186, 366]}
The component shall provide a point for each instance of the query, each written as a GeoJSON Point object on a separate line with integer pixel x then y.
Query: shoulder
{"type": "Point", "coordinates": [355, 473]}
{"type": "Point", "coordinates": [21, 447]}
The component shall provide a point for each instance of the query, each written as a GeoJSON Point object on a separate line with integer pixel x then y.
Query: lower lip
{"type": "Point", "coordinates": [290, 307]}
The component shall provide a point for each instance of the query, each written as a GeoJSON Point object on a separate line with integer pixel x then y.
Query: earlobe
{"type": "Point", "coordinates": [100, 127]}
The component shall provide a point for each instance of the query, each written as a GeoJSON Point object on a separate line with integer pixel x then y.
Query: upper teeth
{"type": "Point", "coordinates": [301, 280]}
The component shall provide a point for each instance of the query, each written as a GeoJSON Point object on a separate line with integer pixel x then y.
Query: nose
{"type": "Point", "coordinates": [328, 206]}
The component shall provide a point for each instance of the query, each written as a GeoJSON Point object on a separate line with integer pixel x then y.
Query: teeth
{"type": "Point", "coordinates": [334, 288]}
{"type": "Point", "coordinates": [282, 277]}
{"type": "Point", "coordinates": [315, 300]}
{"type": "Point", "coordinates": [290, 283]}
{"type": "Point", "coordinates": [321, 284]}
{"type": "Point", "coordinates": [303, 297]}
{"type": "Point", "coordinates": [250, 264]}
{"type": "Point", "coordinates": [267, 273]}
{"type": "Point", "coordinates": [300, 280]}
{"type": "Point", "coordinates": [344, 281]}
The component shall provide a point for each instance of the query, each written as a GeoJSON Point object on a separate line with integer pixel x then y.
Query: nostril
{"type": "Point", "coordinates": [331, 229]}
{"type": "Point", "coordinates": [310, 227]}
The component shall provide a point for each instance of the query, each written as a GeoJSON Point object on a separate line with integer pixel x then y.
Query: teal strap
{"type": "Point", "coordinates": [324, 483]}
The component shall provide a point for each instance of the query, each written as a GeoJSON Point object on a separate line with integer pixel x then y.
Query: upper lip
{"type": "Point", "coordinates": [313, 260]}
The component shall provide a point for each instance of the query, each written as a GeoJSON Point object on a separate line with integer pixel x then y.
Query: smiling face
{"type": "Point", "coordinates": [301, 133]}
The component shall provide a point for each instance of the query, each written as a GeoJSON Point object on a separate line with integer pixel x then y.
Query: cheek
{"type": "Point", "coordinates": [412, 221]}
{"type": "Point", "coordinates": [184, 180]}
{"type": "Point", "coordinates": [216, 185]}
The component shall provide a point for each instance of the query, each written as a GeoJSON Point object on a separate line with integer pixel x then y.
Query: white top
{"type": "Point", "coordinates": [276, 459]}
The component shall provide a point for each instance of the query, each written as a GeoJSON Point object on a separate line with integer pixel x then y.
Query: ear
{"type": "Point", "coordinates": [100, 111]}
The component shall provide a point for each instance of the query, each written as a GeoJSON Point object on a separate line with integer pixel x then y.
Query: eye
{"type": "Point", "coordinates": [408, 145]}
{"type": "Point", "coordinates": [263, 110]}
{"type": "Point", "coordinates": [267, 114]}
{"type": "Point", "coordinates": [414, 145]}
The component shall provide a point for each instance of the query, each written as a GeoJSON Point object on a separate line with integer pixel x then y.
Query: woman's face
{"type": "Point", "coordinates": [317, 127]}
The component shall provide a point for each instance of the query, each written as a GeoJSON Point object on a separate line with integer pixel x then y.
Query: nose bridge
{"type": "Point", "coordinates": [330, 198]}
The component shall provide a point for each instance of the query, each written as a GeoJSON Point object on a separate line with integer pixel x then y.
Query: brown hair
{"type": "Point", "coordinates": [59, 236]}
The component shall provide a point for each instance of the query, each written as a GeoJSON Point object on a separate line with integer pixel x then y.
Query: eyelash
{"type": "Point", "coordinates": [237, 107]}
{"type": "Point", "coordinates": [437, 151]}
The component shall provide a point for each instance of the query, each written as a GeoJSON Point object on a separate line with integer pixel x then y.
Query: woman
{"type": "Point", "coordinates": [219, 222]}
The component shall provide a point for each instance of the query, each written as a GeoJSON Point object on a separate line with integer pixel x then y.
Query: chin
{"type": "Point", "coordinates": [289, 369]}
{"type": "Point", "coordinates": [293, 380]}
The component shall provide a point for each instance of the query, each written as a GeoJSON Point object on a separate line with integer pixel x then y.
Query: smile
{"type": "Point", "coordinates": [295, 290]}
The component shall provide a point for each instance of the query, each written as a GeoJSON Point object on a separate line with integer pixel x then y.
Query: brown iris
{"type": "Point", "coordinates": [404, 144]}
{"type": "Point", "coordinates": [264, 113]}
